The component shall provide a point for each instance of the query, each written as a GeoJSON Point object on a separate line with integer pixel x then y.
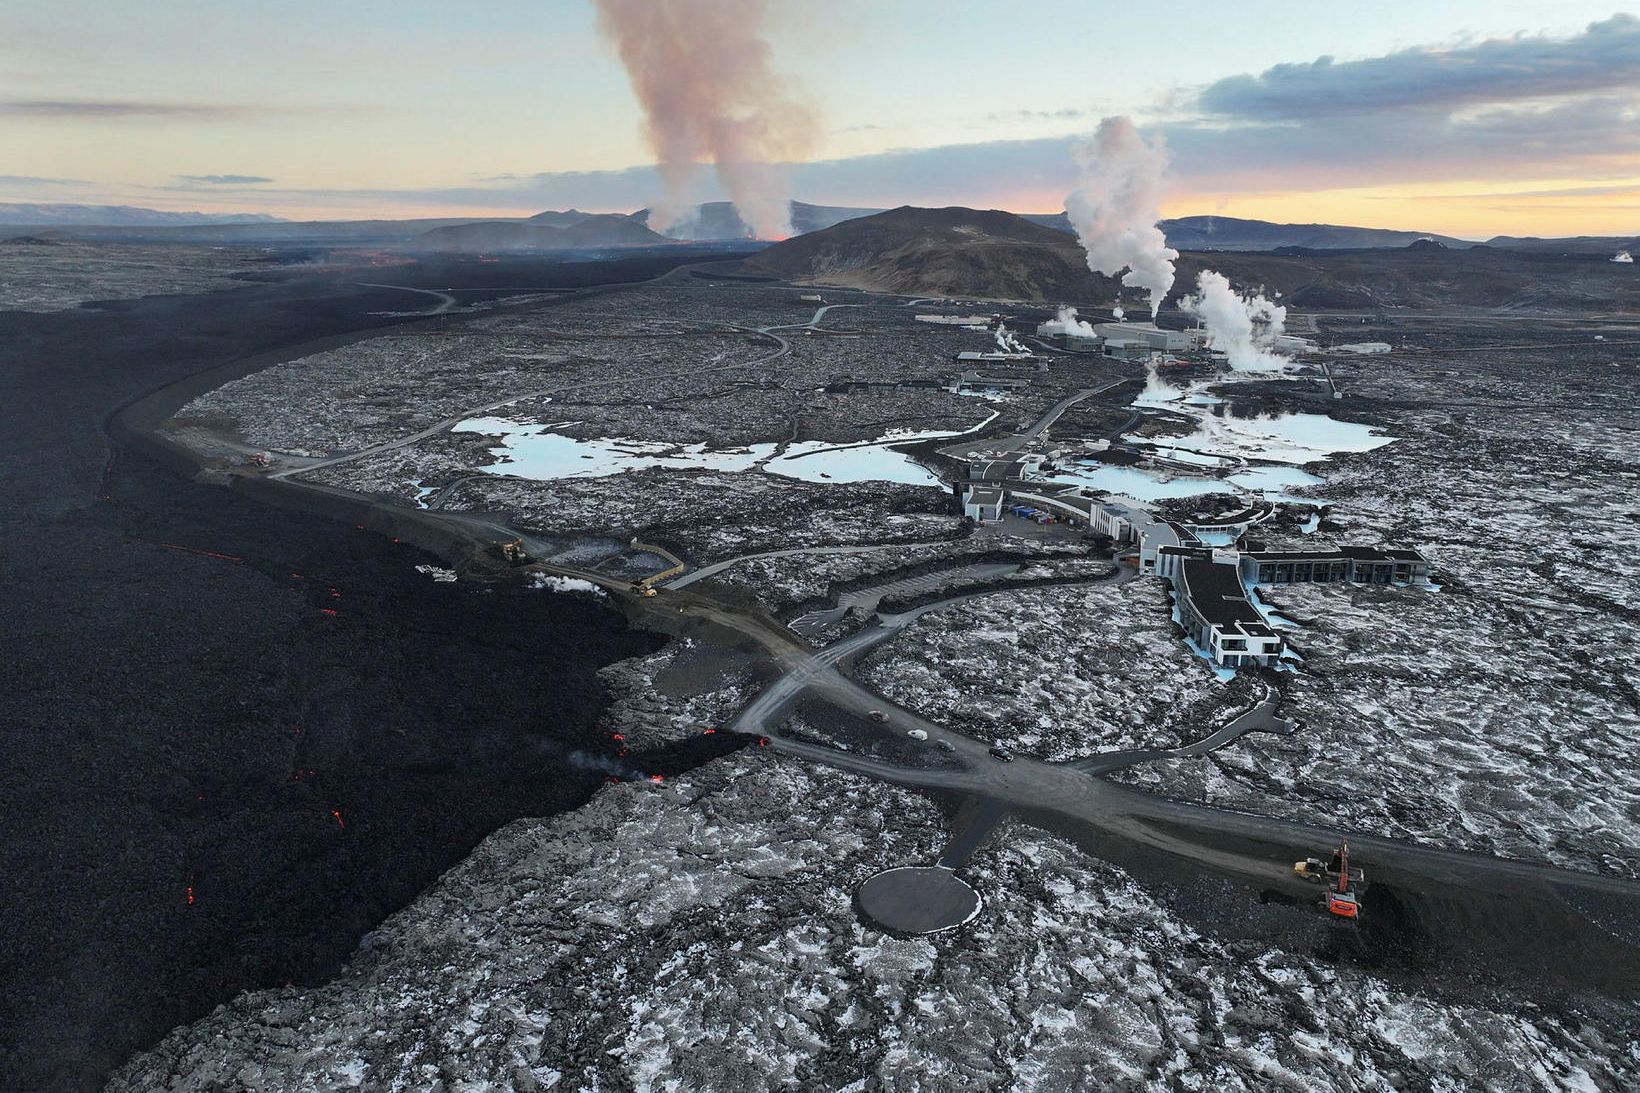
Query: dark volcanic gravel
{"type": "Point", "coordinates": [236, 736]}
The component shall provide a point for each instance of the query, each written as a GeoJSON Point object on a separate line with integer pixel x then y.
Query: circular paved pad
{"type": "Point", "coordinates": [918, 899]}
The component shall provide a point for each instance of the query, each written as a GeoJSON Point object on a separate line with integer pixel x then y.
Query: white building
{"type": "Point", "coordinates": [1215, 611]}
{"type": "Point", "coordinates": [982, 504]}
{"type": "Point", "coordinates": [1127, 339]}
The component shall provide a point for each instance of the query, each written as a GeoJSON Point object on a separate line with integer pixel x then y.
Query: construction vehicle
{"type": "Point", "coordinates": [1340, 899]}
{"type": "Point", "coordinates": [259, 459]}
{"type": "Point", "coordinates": [514, 552]}
{"type": "Point", "coordinates": [642, 588]}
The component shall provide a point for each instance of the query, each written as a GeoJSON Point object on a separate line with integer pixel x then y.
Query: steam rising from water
{"type": "Point", "coordinates": [1243, 328]}
{"type": "Point", "coordinates": [703, 74]}
{"type": "Point", "coordinates": [1116, 205]}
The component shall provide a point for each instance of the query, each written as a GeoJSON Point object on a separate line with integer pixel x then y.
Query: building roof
{"type": "Point", "coordinates": [1216, 594]}
{"type": "Point", "coordinates": [1069, 500]}
{"type": "Point", "coordinates": [997, 470]}
{"type": "Point", "coordinates": [983, 495]}
{"type": "Point", "coordinates": [1337, 554]}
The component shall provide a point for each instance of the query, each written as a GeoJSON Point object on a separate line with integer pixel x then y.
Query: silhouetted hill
{"type": "Point", "coordinates": [552, 219]}
{"type": "Point", "coordinates": [586, 231]}
{"type": "Point", "coordinates": [940, 252]}
{"type": "Point", "coordinates": [997, 255]}
{"type": "Point", "coordinates": [1607, 245]}
{"type": "Point", "coordinates": [118, 216]}
{"type": "Point", "coordinates": [1233, 233]}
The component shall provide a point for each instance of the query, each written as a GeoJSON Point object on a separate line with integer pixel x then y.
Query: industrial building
{"type": "Point", "coordinates": [975, 382]}
{"type": "Point", "coordinates": [1128, 341]}
{"type": "Point", "coordinates": [972, 357]}
{"type": "Point", "coordinates": [1137, 340]}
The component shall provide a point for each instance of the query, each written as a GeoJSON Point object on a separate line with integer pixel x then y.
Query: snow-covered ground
{"type": "Point", "coordinates": [701, 936]}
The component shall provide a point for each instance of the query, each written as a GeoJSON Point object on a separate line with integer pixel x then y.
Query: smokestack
{"type": "Point", "coordinates": [703, 75]}
{"type": "Point", "coordinates": [1243, 328]}
{"type": "Point", "coordinates": [1116, 204]}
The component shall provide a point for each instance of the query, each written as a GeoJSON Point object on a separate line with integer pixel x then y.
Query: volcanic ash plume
{"type": "Point", "coordinates": [1623, 256]}
{"type": "Point", "coordinates": [1116, 205]}
{"type": "Point", "coordinates": [702, 73]}
{"type": "Point", "coordinates": [1243, 328]}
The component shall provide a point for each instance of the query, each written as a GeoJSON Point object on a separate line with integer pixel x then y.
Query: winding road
{"type": "Point", "coordinates": [1252, 848]}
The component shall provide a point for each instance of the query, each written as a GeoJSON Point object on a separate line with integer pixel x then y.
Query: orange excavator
{"type": "Point", "coordinates": [1341, 880]}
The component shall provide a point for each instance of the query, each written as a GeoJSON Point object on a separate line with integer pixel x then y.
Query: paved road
{"type": "Point", "coordinates": [1256, 848]}
{"type": "Point", "coordinates": [1263, 717]}
{"type": "Point", "coordinates": [718, 567]}
{"type": "Point", "coordinates": [1019, 440]}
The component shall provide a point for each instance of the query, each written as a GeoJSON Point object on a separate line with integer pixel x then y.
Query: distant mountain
{"type": "Point", "coordinates": [551, 219]}
{"type": "Point", "coordinates": [1577, 244]}
{"type": "Point", "coordinates": [118, 216]}
{"type": "Point", "coordinates": [574, 231]}
{"type": "Point", "coordinates": [996, 255]}
{"type": "Point", "coordinates": [941, 252]}
{"type": "Point", "coordinates": [718, 222]}
{"type": "Point", "coordinates": [1232, 233]}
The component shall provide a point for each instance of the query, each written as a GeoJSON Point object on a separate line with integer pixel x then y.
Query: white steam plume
{"type": "Point", "coordinates": [703, 74]}
{"type": "Point", "coordinates": [1116, 204]}
{"type": "Point", "coordinates": [1065, 322]}
{"type": "Point", "coordinates": [1623, 256]}
{"type": "Point", "coordinates": [1243, 328]}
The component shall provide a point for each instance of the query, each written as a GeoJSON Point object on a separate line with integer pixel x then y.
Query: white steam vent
{"type": "Point", "coordinates": [1243, 328]}
{"type": "Point", "coordinates": [1065, 322]}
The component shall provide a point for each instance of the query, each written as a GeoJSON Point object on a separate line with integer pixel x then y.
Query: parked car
{"type": "Point", "coordinates": [1001, 754]}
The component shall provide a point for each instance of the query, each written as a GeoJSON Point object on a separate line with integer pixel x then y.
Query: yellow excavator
{"type": "Point", "coordinates": [1341, 880]}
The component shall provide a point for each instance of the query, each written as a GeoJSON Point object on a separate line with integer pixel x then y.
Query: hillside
{"type": "Point", "coordinates": [584, 231]}
{"type": "Point", "coordinates": [997, 255]}
{"type": "Point", "coordinates": [940, 252]}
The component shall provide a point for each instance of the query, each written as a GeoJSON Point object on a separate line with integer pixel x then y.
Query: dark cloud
{"type": "Point", "coordinates": [222, 180]}
{"type": "Point", "coordinates": [96, 109]}
{"type": "Point", "coordinates": [1604, 58]}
